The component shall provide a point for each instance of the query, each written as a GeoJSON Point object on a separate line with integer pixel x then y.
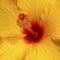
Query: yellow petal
{"type": "Point", "coordinates": [48, 11]}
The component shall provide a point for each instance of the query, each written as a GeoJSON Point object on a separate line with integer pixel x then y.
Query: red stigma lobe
{"type": "Point", "coordinates": [22, 17]}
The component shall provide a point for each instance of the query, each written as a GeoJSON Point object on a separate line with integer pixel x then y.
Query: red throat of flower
{"type": "Point", "coordinates": [33, 33]}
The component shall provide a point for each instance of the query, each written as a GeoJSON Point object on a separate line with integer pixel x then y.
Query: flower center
{"type": "Point", "coordinates": [33, 30]}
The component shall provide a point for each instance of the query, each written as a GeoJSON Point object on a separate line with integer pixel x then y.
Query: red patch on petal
{"type": "Point", "coordinates": [30, 37]}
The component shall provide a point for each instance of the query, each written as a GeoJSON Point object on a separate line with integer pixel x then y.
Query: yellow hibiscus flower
{"type": "Point", "coordinates": [29, 30]}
